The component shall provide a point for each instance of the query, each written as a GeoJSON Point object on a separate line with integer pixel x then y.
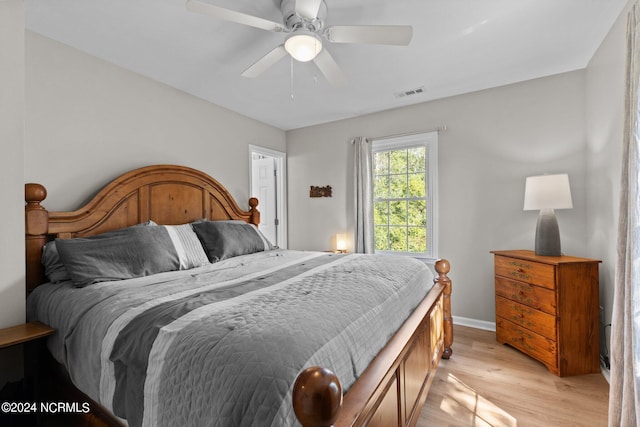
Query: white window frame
{"type": "Point", "coordinates": [429, 140]}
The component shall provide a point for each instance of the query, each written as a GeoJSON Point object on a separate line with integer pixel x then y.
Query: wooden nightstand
{"type": "Point", "coordinates": [30, 335]}
{"type": "Point", "coordinates": [547, 307]}
{"type": "Point", "coordinates": [26, 332]}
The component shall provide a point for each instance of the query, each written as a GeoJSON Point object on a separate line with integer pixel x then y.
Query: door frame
{"type": "Point", "coordinates": [280, 161]}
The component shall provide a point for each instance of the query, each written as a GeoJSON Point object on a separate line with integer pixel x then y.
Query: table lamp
{"type": "Point", "coordinates": [546, 193]}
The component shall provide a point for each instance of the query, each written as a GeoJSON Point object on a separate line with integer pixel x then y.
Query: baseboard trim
{"type": "Point", "coordinates": [474, 323]}
{"type": "Point", "coordinates": [605, 373]}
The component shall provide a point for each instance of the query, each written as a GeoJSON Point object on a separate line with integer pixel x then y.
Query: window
{"type": "Point", "coordinates": [404, 195]}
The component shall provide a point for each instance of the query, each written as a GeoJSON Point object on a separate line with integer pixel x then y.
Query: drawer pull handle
{"type": "Point", "coordinates": [523, 342]}
{"type": "Point", "coordinates": [521, 286]}
{"type": "Point", "coordinates": [520, 275]}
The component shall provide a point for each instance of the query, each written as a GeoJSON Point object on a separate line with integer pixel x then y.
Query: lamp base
{"type": "Point", "coordinates": [547, 234]}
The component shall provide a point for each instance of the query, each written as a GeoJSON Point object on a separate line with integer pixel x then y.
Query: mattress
{"type": "Point", "coordinates": [221, 345]}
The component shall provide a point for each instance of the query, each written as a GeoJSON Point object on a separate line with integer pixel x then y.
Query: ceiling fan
{"type": "Point", "coordinates": [303, 22]}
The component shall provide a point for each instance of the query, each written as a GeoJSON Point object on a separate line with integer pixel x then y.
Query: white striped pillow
{"type": "Point", "coordinates": [188, 246]}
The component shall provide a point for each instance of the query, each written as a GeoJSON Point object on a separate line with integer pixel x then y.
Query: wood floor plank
{"type": "Point", "coordinates": [489, 384]}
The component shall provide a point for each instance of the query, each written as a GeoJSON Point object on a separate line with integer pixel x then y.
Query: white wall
{"type": "Point", "coordinates": [605, 122]}
{"type": "Point", "coordinates": [11, 179]}
{"type": "Point", "coordinates": [495, 139]}
{"type": "Point", "coordinates": [88, 121]}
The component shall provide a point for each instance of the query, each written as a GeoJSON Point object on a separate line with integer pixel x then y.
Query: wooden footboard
{"type": "Point", "coordinates": [393, 389]}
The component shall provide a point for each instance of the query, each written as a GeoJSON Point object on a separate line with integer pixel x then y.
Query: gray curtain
{"type": "Point", "coordinates": [363, 191]}
{"type": "Point", "coordinates": [624, 397]}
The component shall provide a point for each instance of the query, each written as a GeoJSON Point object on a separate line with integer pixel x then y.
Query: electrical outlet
{"type": "Point", "coordinates": [602, 322]}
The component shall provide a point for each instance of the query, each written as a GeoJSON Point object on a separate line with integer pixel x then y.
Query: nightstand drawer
{"type": "Point", "coordinates": [534, 296]}
{"type": "Point", "coordinates": [525, 316]}
{"type": "Point", "coordinates": [537, 346]}
{"type": "Point", "coordinates": [526, 271]}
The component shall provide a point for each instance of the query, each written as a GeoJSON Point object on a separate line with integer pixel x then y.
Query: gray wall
{"type": "Point", "coordinates": [11, 178]}
{"type": "Point", "coordinates": [605, 122]}
{"type": "Point", "coordinates": [11, 161]}
{"type": "Point", "coordinates": [495, 139]}
{"type": "Point", "coordinates": [89, 121]}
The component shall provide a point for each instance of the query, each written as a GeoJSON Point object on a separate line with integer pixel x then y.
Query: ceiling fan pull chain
{"type": "Point", "coordinates": [291, 58]}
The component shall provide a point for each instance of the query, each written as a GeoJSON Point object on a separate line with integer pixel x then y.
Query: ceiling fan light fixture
{"type": "Point", "coordinates": [303, 45]}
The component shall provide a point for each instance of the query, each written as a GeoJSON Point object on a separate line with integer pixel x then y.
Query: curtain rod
{"type": "Point", "coordinates": [436, 129]}
{"type": "Point", "coordinates": [398, 135]}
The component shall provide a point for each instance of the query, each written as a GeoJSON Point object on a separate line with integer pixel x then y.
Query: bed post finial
{"type": "Point", "coordinates": [443, 267]}
{"type": "Point", "coordinates": [36, 223]}
{"type": "Point", "coordinates": [317, 397]}
{"type": "Point", "coordinates": [255, 213]}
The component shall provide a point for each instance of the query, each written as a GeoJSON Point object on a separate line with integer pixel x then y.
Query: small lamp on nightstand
{"type": "Point", "coordinates": [546, 193]}
{"type": "Point", "coordinates": [341, 243]}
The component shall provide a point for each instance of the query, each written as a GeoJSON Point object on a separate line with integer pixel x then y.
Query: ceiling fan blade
{"type": "Point", "coordinates": [308, 8]}
{"type": "Point", "coordinates": [233, 16]}
{"type": "Point", "coordinates": [330, 69]}
{"type": "Point", "coordinates": [374, 34]}
{"type": "Point", "coordinates": [262, 64]}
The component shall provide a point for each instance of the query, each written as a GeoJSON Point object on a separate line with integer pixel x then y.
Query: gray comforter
{"type": "Point", "coordinates": [222, 344]}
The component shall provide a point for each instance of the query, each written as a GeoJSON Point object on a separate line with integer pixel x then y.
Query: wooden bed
{"type": "Point", "coordinates": [390, 392]}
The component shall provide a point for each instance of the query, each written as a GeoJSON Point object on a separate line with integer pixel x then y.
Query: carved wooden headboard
{"type": "Point", "coordinates": [166, 194]}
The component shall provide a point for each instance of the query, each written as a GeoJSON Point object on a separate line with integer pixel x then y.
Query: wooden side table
{"type": "Point", "coordinates": [30, 335]}
{"type": "Point", "coordinates": [24, 333]}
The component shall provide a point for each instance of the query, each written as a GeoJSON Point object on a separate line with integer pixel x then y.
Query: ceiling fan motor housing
{"type": "Point", "coordinates": [293, 21]}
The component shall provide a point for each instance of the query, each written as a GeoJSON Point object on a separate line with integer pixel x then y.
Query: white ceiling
{"type": "Point", "coordinates": [458, 46]}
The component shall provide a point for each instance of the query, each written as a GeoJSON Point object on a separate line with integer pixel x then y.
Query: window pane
{"type": "Point", "coordinates": [381, 187]}
{"type": "Point", "coordinates": [398, 213]}
{"type": "Point", "coordinates": [417, 237]}
{"type": "Point", "coordinates": [417, 185]}
{"type": "Point", "coordinates": [401, 195]}
{"type": "Point", "coordinates": [381, 163]}
{"type": "Point", "coordinates": [381, 213]}
{"type": "Point", "coordinates": [398, 239]}
{"type": "Point", "coordinates": [381, 237]}
{"type": "Point", "coordinates": [398, 161]}
{"type": "Point", "coordinates": [398, 186]}
{"type": "Point", "coordinates": [417, 213]}
{"type": "Point", "coordinates": [417, 159]}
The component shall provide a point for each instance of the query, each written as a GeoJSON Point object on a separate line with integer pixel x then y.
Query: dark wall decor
{"type": "Point", "coordinates": [315, 191]}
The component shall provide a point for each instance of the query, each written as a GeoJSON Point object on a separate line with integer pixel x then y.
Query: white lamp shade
{"type": "Point", "coordinates": [341, 242]}
{"type": "Point", "coordinates": [547, 192]}
{"type": "Point", "coordinates": [303, 45]}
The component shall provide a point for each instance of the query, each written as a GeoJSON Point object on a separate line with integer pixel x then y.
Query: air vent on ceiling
{"type": "Point", "coordinates": [409, 92]}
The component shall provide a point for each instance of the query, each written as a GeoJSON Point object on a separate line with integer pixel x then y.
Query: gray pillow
{"type": "Point", "coordinates": [54, 269]}
{"type": "Point", "coordinates": [222, 239]}
{"type": "Point", "coordinates": [120, 254]}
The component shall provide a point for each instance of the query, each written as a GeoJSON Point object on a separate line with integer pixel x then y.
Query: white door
{"type": "Point", "coordinates": [264, 188]}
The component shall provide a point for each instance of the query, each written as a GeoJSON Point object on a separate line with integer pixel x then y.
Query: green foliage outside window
{"type": "Point", "coordinates": [400, 200]}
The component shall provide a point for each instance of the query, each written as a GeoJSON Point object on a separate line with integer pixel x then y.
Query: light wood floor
{"type": "Point", "coordinates": [489, 384]}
